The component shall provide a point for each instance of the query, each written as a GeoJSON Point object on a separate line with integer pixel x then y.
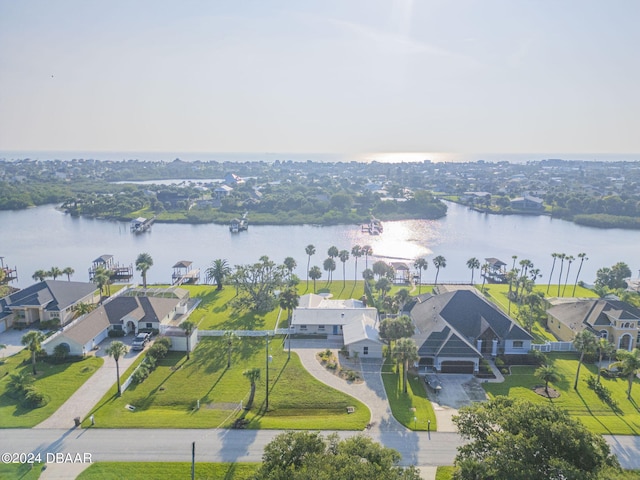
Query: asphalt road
{"type": "Point", "coordinates": [215, 445]}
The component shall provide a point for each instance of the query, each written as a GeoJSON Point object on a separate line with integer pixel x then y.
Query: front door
{"type": "Point", "coordinates": [335, 329]}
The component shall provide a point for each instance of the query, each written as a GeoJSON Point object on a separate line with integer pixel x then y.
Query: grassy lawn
{"type": "Point", "coordinates": [21, 471]}
{"type": "Point", "coordinates": [497, 294]}
{"type": "Point", "coordinates": [582, 404]}
{"type": "Point", "coordinates": [169, 470]}
{"type": "Point", "coordinates": [402, 403]}
{"type": "Point", "coordinates": [444, 473]}
{"type": "Point", "coordinates": [57, 382]}
{"type": "Point", "coordinates": [168, 397]}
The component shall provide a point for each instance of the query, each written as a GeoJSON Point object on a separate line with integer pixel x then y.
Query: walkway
{"type": "Point", "coordinates": [90, 393]}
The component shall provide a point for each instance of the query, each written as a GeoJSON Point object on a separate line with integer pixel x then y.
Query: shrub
{"type": "Point", "coordinates": [116, 333]}
{"type": "Point", "coordinates": [141, 373]}
{"type": "Point", "coordinates": [33, 398]}
{"type": "Point", "coordinates": [166, 341]}
{"type": "Point", "coordinates": [499, 362]}
{"type": "Point", "coordinates": [158, 351]}
{"type": "Point", "coordinates": [603, 392]}
{"type": "Point", "coordinates": [332, 366]}
{"type": "Point", "coordinates": [351, 375]}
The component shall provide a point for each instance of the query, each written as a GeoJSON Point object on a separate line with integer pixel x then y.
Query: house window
{"type": "Point", "coordinates": [303, 327]}
{"type": "Point", "coordinates": [149, 325]}
{"type": "Point", "coordinates": [518, 344]}
{"type": "Point", "coordinates": [321, 328]}
{"type": "Point", "coordinates": [365, 350]}
{"type": "Point", "coordinates": [54, 314]}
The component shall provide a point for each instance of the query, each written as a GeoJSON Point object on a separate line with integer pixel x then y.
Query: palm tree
{"type": "Point", "coordinates": [116, 350]}
{"type": "Point", "coordinates": [582, 257]}
{"type": "Point", "coordinates": [356, 253]}
{"type": "Point", "coordinates": [290, 264]}
{"type": "Point", "coordinates": [401, 297]}
{"type": "Point", "coordinates": [343, 255]}
{"type": "Point", "coordinates": [315, 273]}
{"type": "Point", "coordinates": [288, 300]}
{"type": "Point", "coordinates": [68, 271]}
{"type": "Point", "coordinates": [584, 342]}
{"type": "Point", "coordinates": [143, 263]}
{"type": "Point", "coordinates": [230, 338]}
{"type": "Point", "coordinates": [553, 265]}
{"type": "Point", "coordinates": [102, 277]}
{"type": "Point", "coordinates": [421, 264]}
{"type": "Point", "coordinates": [547, 373]}
{"type": "Point", "coordinates": [218, 271]}
{"type": "Point", "coordinates": [514, 258]}
{"type": "Point", "coordinates": [472, 264]}
{"type": "Point", "coordinates": [511, 276]}
{"type": "Point", "coordinates": [439, 262]}
{"type": "Point", "coordinates": [188, 326]}
{"type": "Point", "coordinates": [333, 252]}
{"type": "Point", "coordinates": [83, 308]}
{"type": "Point", "coordinates": [310, 250]}
{"type": "Point", "coordinates": [367, 251]}
{"type": "Point", "coordinates": [39, 275]}
{"type": "Point", "coordinates": [629, 363]}
{"type": "Point", "coordinates": [405, 351]}
{"type": "Point", "coordinates": [33, 341]}
{"type": "Point", "coordinates": [253, 375]}
{"type": "Point", "coordinates": [383, 285]}
{"type": "Point", "coordinates": [329, 266]}
{"type": "Point", "coordinates": [569, 259]}
{"type": "Point", "coordinates": [605, 348]}
{"type": "Point", "coordinates": [54, 273]}
{"type": "Point", "coordinates": [485, 270]}
{"type": "Point", "coordinates": [561, 256]}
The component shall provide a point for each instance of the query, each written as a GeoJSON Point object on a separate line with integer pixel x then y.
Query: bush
{"type": "Point", "coordinates": [603, 392]}
{"type": "Point", "coordinates": [33, 398]}
{"type": "Point", "coordinates": [116, 333]}
{"type": "Point", "coordinates": [158, 351]}
{"type": "Point", "coordinates": [141, 373]}
{"type": "Point", "coordinates": [499, 362]}
{"type": "Point", "coordinates": [166, 341]}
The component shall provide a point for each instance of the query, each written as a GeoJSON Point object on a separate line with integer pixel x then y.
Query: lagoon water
{"type": "Point", "coordinates": [42, 237]}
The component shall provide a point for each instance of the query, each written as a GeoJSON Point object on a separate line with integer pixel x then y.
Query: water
{"type": "Point", "coordinates": [270, 157]}
{"type": "Point", "coordinates": [42, 237]}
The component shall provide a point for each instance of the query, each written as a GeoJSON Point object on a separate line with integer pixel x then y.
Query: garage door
{"type": "Point", "coordinates": [457, 367]}
{"type": "Point", "coordinates": [3, 326]}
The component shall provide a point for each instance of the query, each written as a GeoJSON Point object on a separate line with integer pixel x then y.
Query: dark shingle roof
{"type": "Point", "coordinates": [51, 294]}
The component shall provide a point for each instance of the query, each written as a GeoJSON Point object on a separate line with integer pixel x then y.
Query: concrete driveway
{"type": "Point", "coordinates": [458, 390]}
{"type": "Point", "coordinates": [11, 338]}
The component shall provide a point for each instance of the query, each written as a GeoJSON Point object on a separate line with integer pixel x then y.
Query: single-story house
{"type": "Point", "coordinates": [455, 330]}
{"type": "Point", "coordinates": [528, 202]}
{"type": "Point", "coordinates": [44, 301]}
{"type": "Point", "coordinates": [614, 320]}
{"type": "Point", "coordinates": [350, 319]}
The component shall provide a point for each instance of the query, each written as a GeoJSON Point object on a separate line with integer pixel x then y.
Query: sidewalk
{"type": "Point", "coordinates": [90, 393]}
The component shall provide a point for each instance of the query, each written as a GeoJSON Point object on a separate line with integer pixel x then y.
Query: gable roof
{"type": "Point", "coordinates": [318, 310]}
{"type": "Point", "coordinates": [146, 309]}
{"type": "Point", "coordinates": [360, 329]}
{"type": "Point", "coordinates": [89, 327]}
{"type": "Point", "coordinates": [50, 294]}
{"type": "Point", "coordinates": [593, 313]}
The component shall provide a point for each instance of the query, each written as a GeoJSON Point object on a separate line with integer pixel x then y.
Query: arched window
{"type": "Point", "coordinates": [604, 334]}
{"type": "Point", "coordinates": [625, 342]}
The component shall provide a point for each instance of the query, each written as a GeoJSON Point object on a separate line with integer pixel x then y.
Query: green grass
{"type": "Point", "coordinates": [20, 471]}
{"type": "Point", "coordinates": [168, 470]}
{"type": "Point", "coordinates": [444, 473]}
{"type": "Point", "coordinates": [582, 404]}
{"type": "Point", "coordinates": [402, 403]}
{"type": "Point", "coordinates": [167, 399]}
{"type": "Point", "coordinates": [57, 382]}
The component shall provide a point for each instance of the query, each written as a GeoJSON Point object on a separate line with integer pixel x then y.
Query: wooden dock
{"type": "Point", "coordinates": [117, 272]}
{"type": "Point", "coordinates": [184, 274]}
{"type": "Point", "coordinates": [141, 224]}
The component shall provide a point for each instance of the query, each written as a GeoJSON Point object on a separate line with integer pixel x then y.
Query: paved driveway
{"type": "Point", "coordinates": [11, 338]}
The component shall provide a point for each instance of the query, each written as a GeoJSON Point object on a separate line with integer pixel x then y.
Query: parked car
{"type": "Point", "coordinates": [141, 341]}
{"type": "Point", "coordinates": [433, 382]}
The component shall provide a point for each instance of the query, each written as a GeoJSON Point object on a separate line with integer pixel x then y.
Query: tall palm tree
{"type": "Point", "coordinates": [343, 255]}
{"type": "Point", "coordinates": [420, 264]}
{"type": "Point", "coordinates": [33, 341]}
{"type": "Point", "coordinates": [356, 253]}
{"type": "Point", "coordinates": [367, 251]}
{"type": "Point", "coordinates": [333, 252]}
{"type": "Point", "coordinates": [329, 266]}
{"type": "Point", "coordinates": [570, 260]}
{"type": "Point", "coordinates": [54, 273]}
{"type": "Point", "coordinates": [253, 375]}
{"type": "Point", "coordinates": [310, 250]}
{"type": "Point", "coordinates": [102, 277]}
{"type": "Point", "coordinates": [315, 273]}
{"type": "Point", "coordinates": [39, 275]}
{"type": "Point", "coordinates": [68, 271]}
{"type": "Point", "coordinates": [439, 262]}
{"type": "Point", "coordinates": [485, 271]}
{"type": "Point", "coordinates": [553, 265]}
{"type": "Point", "coordinates": [584, 342]}
{"type": "Point", "coordinates": [218, 271]}
{"type": "Point", "coordinates": [561, 256]}
{"type": "Point", "coordinates": [289, 300]}
{"type": "Point", "coordinates": [514, 258]}
{"type": "Point", "coordinates": [188, 327]}
{"type": "Point", "coordinates": [605, 348]}
{"type": "Point", "coordinates": [230, 337]}
{"type": "Point", "coordinates": [405, 351]}
{"type": "Point", "coordinates": [629, 363]}
{"type": "Point", "coordinates": [547, 373]}
{"type": "Point", "coordinates": [116, 350]}
{"type": "Point", "coordinates": [143, 263]}
{"type": "Point", "coordinates": [290, 264]}
{"type": "Point", "coordinates": [472, 264]}
{"type": "Point", "coordinates": [582, 257]}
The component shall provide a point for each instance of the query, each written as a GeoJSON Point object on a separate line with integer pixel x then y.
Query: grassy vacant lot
{"type": "Point", "coordinates": [57, 382]}
{"type": "Point", "coordinates": [402, 403]}
{"type": "Point", "coordinates": [168, 397]}
{"type": "Point", "coordinates": [583, 404]}
{"type": "Point", "coordinates": [498, 295]}
{"type": "Point", "coordinates": [168, 470]}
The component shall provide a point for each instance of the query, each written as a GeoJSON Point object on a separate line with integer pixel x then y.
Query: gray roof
{"type": "Point", "coordinates": [593, 313]}
{"type": "Point", "coordinates": [89, 327]}
{"type": "Point", "coordinates": [146, 309]}
{"type": "Point", "coordinates": [50, 294]}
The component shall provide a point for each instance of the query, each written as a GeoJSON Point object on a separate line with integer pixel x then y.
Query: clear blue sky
{"type": "Point", "coordinates": [342, 76]}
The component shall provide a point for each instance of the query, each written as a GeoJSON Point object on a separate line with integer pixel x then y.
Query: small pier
{"type": "Point", "coordinates": [117, 272]}
{"type": "Point", "coordinates": [374, 227]}
{"type": "Point", "coordinates": [141, 224]}
{"type": "Point", "coordinates": [184, 274]}
{"type": "Point", "coordinates": [10, 274]}
{"type": "Point", "coordinates": [496, 271]}
{"type": "Point", "coordinates": [239, 224]}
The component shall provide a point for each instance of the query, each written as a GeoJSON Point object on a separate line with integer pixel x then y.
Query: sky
{"type": "Point", "coordinates": [342, 76]}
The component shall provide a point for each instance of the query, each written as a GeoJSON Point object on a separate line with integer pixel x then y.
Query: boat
{"type": "Point", "coordinates": [239, 224]}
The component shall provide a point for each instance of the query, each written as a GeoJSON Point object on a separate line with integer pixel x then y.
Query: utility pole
{"type": "Point", "coordinates": [267, 370]}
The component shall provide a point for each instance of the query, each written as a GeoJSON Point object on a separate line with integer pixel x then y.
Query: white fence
{"type": "Point", "coordinates": [243, 333]}
{"type": "Point", "coordinates": [553, 347]}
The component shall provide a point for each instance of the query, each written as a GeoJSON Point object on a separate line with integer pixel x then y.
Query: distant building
{"type": "Point", "coordinates": [528, 202]}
